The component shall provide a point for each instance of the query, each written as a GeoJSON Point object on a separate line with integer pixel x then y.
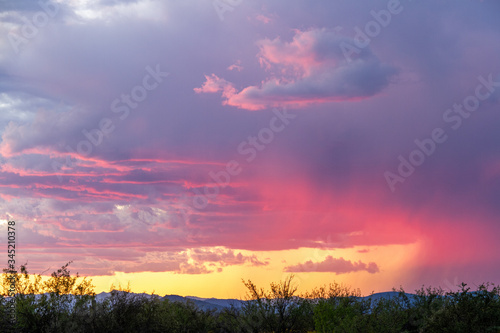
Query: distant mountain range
{"type": "Point", "coordinates": [201, 303]}
{"type": "Point", "coordinates": [219, 304]}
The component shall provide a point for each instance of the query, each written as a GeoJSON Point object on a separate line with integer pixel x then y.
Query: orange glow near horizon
{"type": "Point", "coordinates": [228, 284]}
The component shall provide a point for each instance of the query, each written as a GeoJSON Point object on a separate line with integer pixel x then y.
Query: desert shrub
{"type": "Point", "coordinates": [337, 308]}
{"type": "Point", "coordinates": [466, 311]}
{"type": "Point", "coordinates": [277, 310]}
{"type": "Point", "coordinates": [66, 303]}
{"type": "Point", "coordinates": [387, 315]}
{"type": "Point", "coordinates": [49, 306]}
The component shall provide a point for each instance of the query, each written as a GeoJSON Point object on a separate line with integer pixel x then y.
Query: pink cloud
{"type": "Point", "coordinates": [262, 18]}
{"type": "Point", "coordinates": [312, 68]}
{"type": "Point", "coordinates": [334, 265]}
{"type": "Point", "coordinates": [226, 257]}
{"type": "Point", "coordinates": [215, 84]}
{"type": "Point", "coordinates": [186, 268]}
{"type": "Point", "coordinates": [236, 66]}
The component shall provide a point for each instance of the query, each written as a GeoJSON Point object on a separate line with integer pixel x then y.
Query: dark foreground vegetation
{"type": "Point", "coordinates": [67, 303]}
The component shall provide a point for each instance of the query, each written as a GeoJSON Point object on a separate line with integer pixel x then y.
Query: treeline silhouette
{"type": "Point", "coordinates": [66, 303]}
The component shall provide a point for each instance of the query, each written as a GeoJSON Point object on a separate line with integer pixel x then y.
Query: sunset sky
{"type": "Point", "coordinates": [186, 145]}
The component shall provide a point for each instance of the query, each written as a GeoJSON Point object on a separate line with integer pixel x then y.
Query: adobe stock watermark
{"type": "Point", "coordinates": [106, 126]}
{"type": "Point", "coordinates": [363, 37]}
{"type": "Point", "coordinates": [249, 148]}
{"type": "Point", "coordinates": [30, 28]}
{"type": "Point", "coordinates": [222, 6]}
{"type": "Point", "coordinates": [428, 146]}
{"type": "Point", "coordinates": [451, 287]}
{"type": "Point", "coordinates": [178, 212]}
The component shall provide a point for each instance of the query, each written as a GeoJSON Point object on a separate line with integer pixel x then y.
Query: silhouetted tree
{"type": "Point", "coordinates": [278, 310]}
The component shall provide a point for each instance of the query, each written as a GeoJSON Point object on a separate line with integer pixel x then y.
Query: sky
{"type": "Point", "coordinates": [183, 146]}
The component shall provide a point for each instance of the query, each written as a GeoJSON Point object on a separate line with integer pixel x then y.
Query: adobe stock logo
{"type": "Point", "coordinates": [249, 148]}
{"type": "Point", "coordinates": [30, 28]}
{"type": "Point", "coordinates": [363, 37]}
{"type": "Point", "coordinates": [222, 6]}
{"type": "Point", "coordinates": [428, 146]}
{"type": "Point", "coordinates": [106, 126]}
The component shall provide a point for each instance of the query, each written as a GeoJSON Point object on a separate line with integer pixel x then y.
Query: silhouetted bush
{"type": "Point", "coordinates": [66, 303]}
{"type": "Point", "coordinates": [278, 310]}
